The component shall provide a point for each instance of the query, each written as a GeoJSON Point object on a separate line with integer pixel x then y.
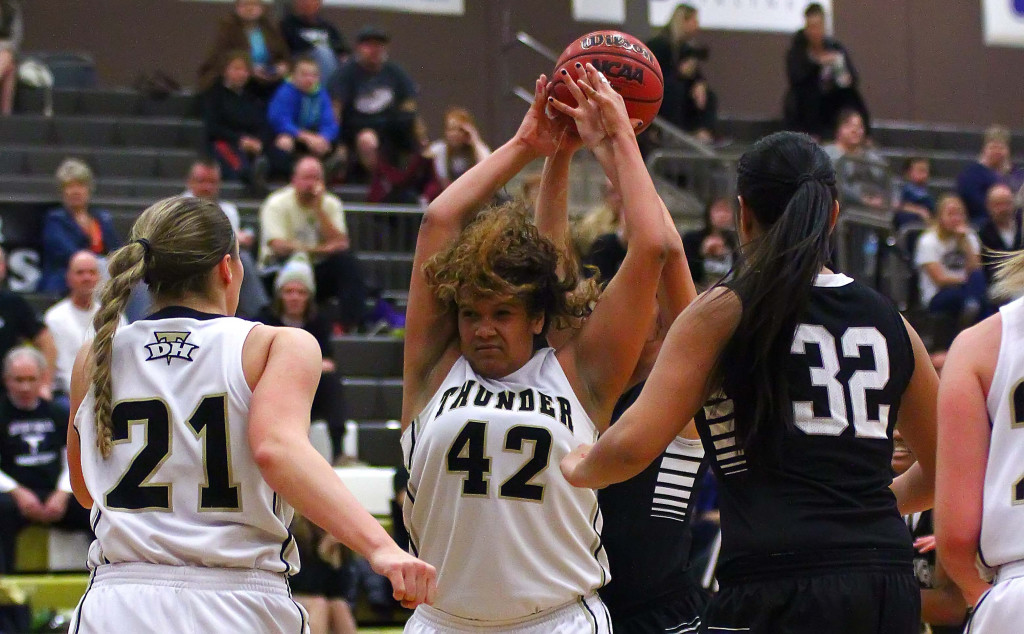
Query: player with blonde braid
{"type": "Point", "coordinates": [190, 444]}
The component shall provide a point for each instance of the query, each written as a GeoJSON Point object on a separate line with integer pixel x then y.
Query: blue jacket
{"type": "Point", "coordinates": [62, 238]}
{"type": "Point", "coordinates": [292, 111]}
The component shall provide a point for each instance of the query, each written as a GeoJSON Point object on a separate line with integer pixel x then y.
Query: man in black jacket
{"type": "Point", "coordinates": [1002, 230]}
{"type": "Point", "coordinates": [822, 79]}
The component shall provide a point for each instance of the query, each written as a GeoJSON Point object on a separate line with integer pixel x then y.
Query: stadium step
{"type": "Point", "coordinates": [106, 102]}
{"type": "Point", "coordinates": [90, 131]}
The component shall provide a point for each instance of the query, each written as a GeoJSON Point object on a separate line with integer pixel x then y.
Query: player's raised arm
{"type": "Point", "coordinates": [430, 327]}
{"type": "Point", "coordinates": [603, 354]}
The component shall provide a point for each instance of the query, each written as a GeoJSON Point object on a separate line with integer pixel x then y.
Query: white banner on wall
{"type": "Point", "coordinates": [1003, 22]}
{"type": "Point", "coordinates": [613, 11]}
{"type": "Point", "coordinates": [786, 16]}
{"type": "Point", "coordinates": [445, 7]}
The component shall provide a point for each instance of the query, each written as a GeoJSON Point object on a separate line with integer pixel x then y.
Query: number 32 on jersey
{"type": "Point", "coordinates": [855, 388]}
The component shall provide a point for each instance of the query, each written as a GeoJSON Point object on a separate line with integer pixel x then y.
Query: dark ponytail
{"type": "Point", "coordinates": [789, 185]}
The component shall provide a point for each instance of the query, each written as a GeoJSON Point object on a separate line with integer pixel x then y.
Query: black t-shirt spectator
{"type": "Point", "coordinates": [369, 99]}
{"type": "Point", "coordinates": [229, 115]}
{"type": "Point", "coordinates": [18, 322]}
{"type": "Point", "coordinates": [318, 326]}
{"type": "Point", "coordinates": [994, 240]}
{"type": "Point", "coordinates": [31, 443]}
{"type": "Point", "coordinates": [301, 36]}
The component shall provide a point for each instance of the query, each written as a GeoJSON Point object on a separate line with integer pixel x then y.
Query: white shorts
{"type": "Point", "coordinates": [141, 598]}
{"type": "Point", "coordinates": [582, 616]}
{"type": "Point", "coordinates": [1001, 609]}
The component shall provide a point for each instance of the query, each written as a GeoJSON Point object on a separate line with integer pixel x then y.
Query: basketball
{"type": "Point", "coordinates": [627, 63]}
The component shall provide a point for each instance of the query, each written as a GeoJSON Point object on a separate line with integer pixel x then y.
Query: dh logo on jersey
{"type": "Point", "coordinates": [171, 345]}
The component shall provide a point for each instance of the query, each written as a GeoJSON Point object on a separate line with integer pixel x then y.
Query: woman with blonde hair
{"type": "Point", "coordinates": [979, 488]}
{"type": "Point", "coordinates": [74, 226]}
{"type": "Point", "coordinates": [460, 149]}
{"type": "Point", "coordinates": [190, 443]}
{"type": "Point", "coordinates": [949, 258]}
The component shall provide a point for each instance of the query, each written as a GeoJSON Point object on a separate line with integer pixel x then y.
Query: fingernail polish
{"type": "Point", "coordinates": [565, 72]}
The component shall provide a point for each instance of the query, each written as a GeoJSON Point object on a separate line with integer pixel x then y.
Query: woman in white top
{"type": "Point", "coordinates": [948, 257]}
{"type": "Point", "coordinates": [489, 410]}
{"type": "Point", "coordinates": [460, 149]}
{"type": "Point", "coordinates": [190, 444]}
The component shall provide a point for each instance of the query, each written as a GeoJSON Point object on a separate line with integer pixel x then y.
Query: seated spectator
{"type": "Point", "coordinates": [822, 79]}
{"type": "Point", "coordinates": [916, 202]}
{"type": "Point", "coordinates": [308, 34]}
{"type": "Point", "coordinates": [73, 227]}
{"type": "Point", "coordinates": [326, 584]}
{"type": "Point", "coordinates": [371, 92]}
{"type": "Point", "coordinates": [862, 176]}
{"type": "Point", "coordinates": [994, 165]}
{"type": "Point", "coordinates": [35, 487]}
{"type": "Point", "coordinates": [460, 149]}
{"type": "Point", "coordinates": [293, 305]}
{"type": "Point", "coordinates": [711, 251]}
{"type": "Point", "coordinates": [11, 31]}
{"type": "Point", "coordinates": [951, 279]}
{"type": "Point", "coordinates": [1001, 232]}
{"type": "Point", "coordinates": [19, 325]}
{"type": "Point", "coordinates": [305, 218]}
{"type": "Point", "coordinates": [301, 118]}
{"type": "Point", "coordinates": [236, 123]}
{"type": "Point", "coordinates": [204, 182]}
{"type": "Point", "coordinates": [70, 320]}
{"type": "Point", "coordinates": [688, 102]}
{"type": "Point", "coordinates": [403, 174]}
{"type": "Point", "coordinates": [248, 29]}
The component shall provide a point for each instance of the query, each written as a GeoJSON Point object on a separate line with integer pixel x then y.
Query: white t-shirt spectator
{"type": "Point", "coordinates": [946, 252]}
{"type": "Point", "coordinates": [282, 217]}
{"type": "Point", "coordinates": [70, 327]}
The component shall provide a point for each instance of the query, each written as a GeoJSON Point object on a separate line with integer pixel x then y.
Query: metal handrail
{"type": "Point", "coordinates": [662, 124]}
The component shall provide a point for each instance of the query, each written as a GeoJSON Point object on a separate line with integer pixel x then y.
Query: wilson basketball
{"type": "Point", "coordinates": [627, 63]}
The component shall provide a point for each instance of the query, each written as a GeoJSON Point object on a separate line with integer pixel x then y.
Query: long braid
{"type": "Point", "coordinates": [127, 268]}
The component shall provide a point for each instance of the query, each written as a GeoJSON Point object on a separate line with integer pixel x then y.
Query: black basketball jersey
{"type": "Point", "coordinates": [647, 524]}
{"type": "Point", "coordinates": [823, 498]}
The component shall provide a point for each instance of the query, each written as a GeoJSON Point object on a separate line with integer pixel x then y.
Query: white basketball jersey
{"type": "Point", "coordinates": [180, 486]}
{"type": "Point", "coordinates": [1002, 524]}
{"type": "Point", "coordinates": [487, 504]}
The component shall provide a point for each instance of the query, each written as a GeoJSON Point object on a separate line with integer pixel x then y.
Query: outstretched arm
{"type": "Point", "coordinates": [279, 439]}
{"type": "Point", "coordinates": [676, 389]}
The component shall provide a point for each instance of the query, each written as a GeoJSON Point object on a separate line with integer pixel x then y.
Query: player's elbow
{"type": "Point", "coordinates": [270, 454]}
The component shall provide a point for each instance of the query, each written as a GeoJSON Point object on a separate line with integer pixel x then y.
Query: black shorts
{"type": "Point", "coordinates": [872, 601]}
{"type": "Point", "coordinates": [678, 613]}
{"type": "Point", "coordinates": [318, 579]}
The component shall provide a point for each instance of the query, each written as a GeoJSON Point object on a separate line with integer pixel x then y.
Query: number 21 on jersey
{"type": "Point", "coordinates": [856, 387]}
{"type": "Point", "coordinates": [208, 422]}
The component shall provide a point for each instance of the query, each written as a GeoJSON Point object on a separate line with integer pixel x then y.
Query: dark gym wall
{"type": "Point", "coordinates": [915, 61]}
